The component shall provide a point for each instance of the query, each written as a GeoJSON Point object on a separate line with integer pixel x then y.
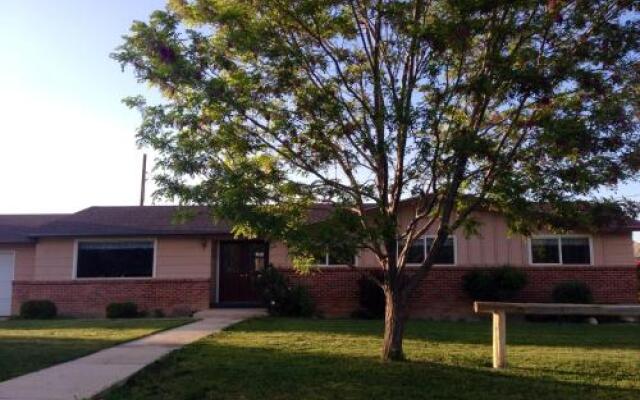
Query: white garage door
{"type": "Point", "coordinates": [6, 277]}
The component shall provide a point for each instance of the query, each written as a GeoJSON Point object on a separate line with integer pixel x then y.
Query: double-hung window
{"type": "Point", "coordinates": [335, 258]}
{"type": "Point", "coordinates": [418, 251]}
{"type": "Point", "coordinates": [560, 250]}
{"type": "Point", "coordinates": [115, 259]}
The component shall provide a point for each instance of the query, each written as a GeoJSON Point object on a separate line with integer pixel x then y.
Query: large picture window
{"type": "Point", "coordinates": [570, 250]}
{"type": "Point", "coordinates": [115, 259]}
{"type": "Point", "coordinates": [418, 251]}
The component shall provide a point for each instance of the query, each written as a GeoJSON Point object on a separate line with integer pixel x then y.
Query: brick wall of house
{"type": "Point", "coordinates": [334, 289]}
{"type": "Point", "coordinates": [441, 294]}
{"type": "Point", "coordinates": [90, 297]}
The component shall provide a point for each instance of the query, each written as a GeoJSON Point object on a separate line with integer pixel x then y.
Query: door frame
{"type": "Point", "coordinates": [218, 253]}
{"type": "Point", "coordinates": [217, 299]}
{"type": "Point", "coordinates": [12, 253]}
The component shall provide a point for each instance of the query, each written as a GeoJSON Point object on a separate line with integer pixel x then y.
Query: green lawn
{"type": "Point", "coordinates": [26, 346]}
{"type": "Point", "coordinates": [338, 359]}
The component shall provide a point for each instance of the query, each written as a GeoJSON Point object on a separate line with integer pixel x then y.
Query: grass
{"type": "Point", "coordinates": [27, 346]}
{"type": "Point", "coordinates": [273, 358]}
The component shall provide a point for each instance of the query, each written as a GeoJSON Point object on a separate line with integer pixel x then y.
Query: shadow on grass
{"type": "Point", "coordinates": [27, 346]}
{"type": "Point", "coordinates": [78, 324]}
{"type": "Point", "coordinates": [213, 369]}
{"type": "Point", "coordinates": [610, 336]}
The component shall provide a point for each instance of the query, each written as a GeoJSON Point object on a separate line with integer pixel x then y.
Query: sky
{"type": "Point", "coordinates": [66, 140]}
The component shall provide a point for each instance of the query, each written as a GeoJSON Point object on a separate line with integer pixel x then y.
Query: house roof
{"type": "Point", "coordinates": [148, 220]}
{"type": "Point", "coordinates": [122, 221]}
{"type": "Point", "coordinates": [15, 228]}
{"type": "Point", "coordinates": [133, 221]}
{"type": "Point", "coordinates": [629, 225]}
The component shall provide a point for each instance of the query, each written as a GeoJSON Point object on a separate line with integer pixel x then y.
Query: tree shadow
{"type": "Point", "coordinates": [610, 336]}
{"type": "Point", "coordinates": [78, 324]}
{"type": "Point", "coordinates": [214, 369]}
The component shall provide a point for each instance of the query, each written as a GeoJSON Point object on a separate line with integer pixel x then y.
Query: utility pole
{"type": "Point", "coordinates": [144, 178]}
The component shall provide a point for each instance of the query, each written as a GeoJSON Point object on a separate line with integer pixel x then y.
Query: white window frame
{"type": "Point", "coordinates": [559, 241]}
{"type": "Point", "coordinates": [424, 247]}
{"type": "Point", "coordinates": [356, 261]}
{"type": "Point", "coordinates": [74, 274]}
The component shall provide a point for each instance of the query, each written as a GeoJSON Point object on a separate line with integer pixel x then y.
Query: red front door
{"type": "Point", "coordinates": [239, 261]}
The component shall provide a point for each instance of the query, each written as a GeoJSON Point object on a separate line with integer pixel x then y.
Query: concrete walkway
{"type": "Point", "coordinates": [87, 376]}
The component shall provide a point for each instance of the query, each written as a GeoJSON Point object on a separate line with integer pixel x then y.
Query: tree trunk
{"type": "Point", "coordinates": [394, 320]}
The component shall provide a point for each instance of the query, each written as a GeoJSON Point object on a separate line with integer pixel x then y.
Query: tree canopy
{"type": "Point", "coordinates": [277, 104]}
{"type": "Point", "coordinates": [272, 106]}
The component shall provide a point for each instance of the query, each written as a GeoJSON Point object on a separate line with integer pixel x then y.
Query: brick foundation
{"type": "Point", "coordinates": [441, 294]}
{"type": "Point", "coordinates": [89, 298]}
{"type": "Point", "coordinates": [335, 291]}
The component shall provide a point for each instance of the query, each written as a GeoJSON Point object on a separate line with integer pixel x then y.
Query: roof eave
{"type": "Point", "coordinates": [36, 236]}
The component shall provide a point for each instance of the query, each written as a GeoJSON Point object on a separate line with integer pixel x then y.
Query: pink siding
{"type": "Point", "coordinates": [181, 284]}
{"type": "Point", "coordinates": [183, 258]}
{"type": "Point", "coordinates": [176, 258]}
{"type": "Point", "coordinates": [24, 259]}
{"type": "Point", "coordinates": [278, 255]}
{"type": "Point", "coordinates": [614, 249]}
{"type": "Point", "coordinates": [54, 259]}
{"type": "Point", "coordinates": [493, 245]}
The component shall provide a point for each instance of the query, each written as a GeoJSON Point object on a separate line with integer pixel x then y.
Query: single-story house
{"type": "Point", "coordinates": [86, 260]}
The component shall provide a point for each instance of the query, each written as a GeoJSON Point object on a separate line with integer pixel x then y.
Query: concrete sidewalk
{"type": "Point", "coordinates": [87, 376]}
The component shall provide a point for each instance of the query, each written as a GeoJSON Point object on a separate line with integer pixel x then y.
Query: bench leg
{"type": "Point", "coordinates": [499, 339]}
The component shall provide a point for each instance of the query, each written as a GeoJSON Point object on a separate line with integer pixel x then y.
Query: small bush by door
{"type": "Point", "coordinates": [282, 298]}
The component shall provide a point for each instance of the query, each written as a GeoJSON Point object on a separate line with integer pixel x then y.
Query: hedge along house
{"type": "Point", "coordinates": [100, 255]}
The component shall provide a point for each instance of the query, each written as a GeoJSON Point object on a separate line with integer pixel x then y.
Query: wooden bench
{"type": "Point", "coordinates": [500, 311]}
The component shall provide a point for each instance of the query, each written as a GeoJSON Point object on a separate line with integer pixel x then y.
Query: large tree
{"type": "Point", "coordinates": [270, 106]}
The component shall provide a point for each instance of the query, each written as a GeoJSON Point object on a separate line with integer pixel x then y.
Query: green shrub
{"type": "Point", "coordinates": [38, 309]}
{"type": "Point", "coordinates": [272, 287]}
{"type": "Point", "coordinates": [370, 298]}
{"type": "Point", "coordinates": [280, 297]}
{"type": "Point", "coordinates": [158, 313]}
{"type": "Point", "coordinates": [496, 284]}
{"type": "Point", "coordinates": [576, 292]}
{"type": "Point", "coordinates": [122, 310]}
{"type": "Point", "coordinates": [299, 302]}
